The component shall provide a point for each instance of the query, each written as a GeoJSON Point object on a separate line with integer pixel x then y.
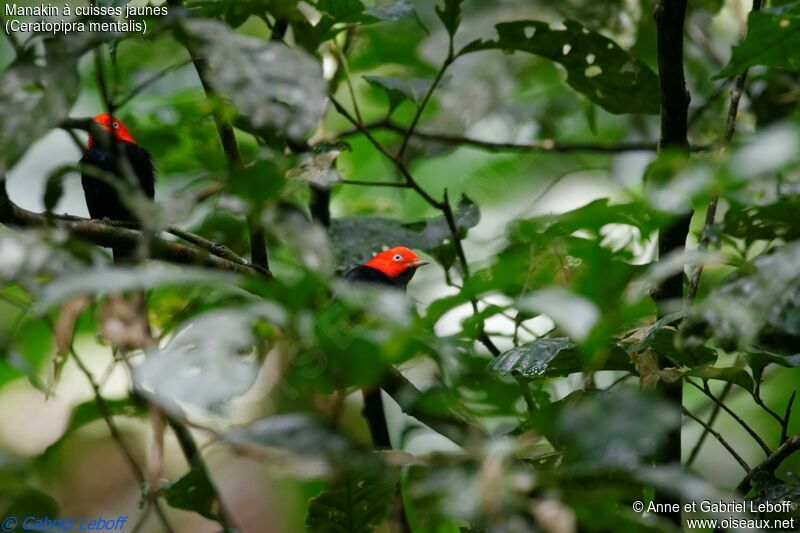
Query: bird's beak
{"type": "Point", "coordinates": [418, 263]}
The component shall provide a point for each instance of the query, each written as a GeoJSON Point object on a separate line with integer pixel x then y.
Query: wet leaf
{"type": "Point", "coordinates": [355, 502]}
{"type": "Point", "coordinates": [596, 66]}
{"type": "Point", "coordinates": [274, 87]}
{"type": "Point", "coordinates": [773, 40]}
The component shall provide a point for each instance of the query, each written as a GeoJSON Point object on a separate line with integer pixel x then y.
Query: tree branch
{"type": "Point", "coordinates": [111, 236]}
{"type": "Point", "coordinates": [707, 391]}
{"type": "Point", "coordinates": [670, 17]}
{"type": "Point", "coordinates": [227, 137]}
{"type": "Point", "coordinates": [543, 146]}
{"type": "Point", "coordinates": [771, 463]}
{"type": "Point", "coordinates": [721, 440]}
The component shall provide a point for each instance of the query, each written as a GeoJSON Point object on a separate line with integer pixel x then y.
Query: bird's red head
{"type": "Point", "coordinates": [114, 127]}
{"type": "Point", "coordinates": [395, 261]}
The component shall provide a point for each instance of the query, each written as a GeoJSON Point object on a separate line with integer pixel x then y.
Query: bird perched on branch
{"type": "Point", "coordinates": [111, 169]}
{"type": "Point", "coordinates": [392, 268]}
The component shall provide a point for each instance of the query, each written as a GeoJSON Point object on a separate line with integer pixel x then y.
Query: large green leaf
{"type": "Point", "coordinates": [620, 429]}
{"type": "Point", "coordinates": [597, 67]}
{"type": "Point", "coordinates": [274, 87]}
{"type": "Point", "coordinates": [540, 358]}
{"type": "Point", "coordinates": [773, 40]}
{"type": "Point", "coordinates": [357, 239]}
{"type": "Point", "coordinates": [356, 502]}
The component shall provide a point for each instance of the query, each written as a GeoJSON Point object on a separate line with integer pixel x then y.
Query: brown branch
{"type": "Point", "coordinates": [721, 440]}
{"type": "Point", "coordinates": [543, 146]}
{"type": "Point", "coordinates": [110, 236]}
{"type": "Point", "coordinates": [771, 463]}
{"type": "Point", "coordinates": [707, 391]}
{"type": "Point", "coordinates": [711, 419]}
{"type": "Point", "coordinates": [227, 137]}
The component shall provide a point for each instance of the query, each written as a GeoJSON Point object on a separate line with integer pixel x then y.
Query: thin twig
{"type": "Point", "coordinates": [108, 417]}
{"type": "Point", "coordinates": [421, 107]}
{"type": "Point", "coordinates": [711, 419]}
{"type": "Point", "coordinates": [707, 391]}
{"type": "Point", "coordinates": [230, 146]}
{"type": "Point", "coordinates": [543, 146]}
{"type": "Point", "coordinates": [149, 81]}
{"type": "Point", "coordinates": [787, 417]}
{"type": "Point", "coordinates": [401, 185]}
{"type": "Point", "coordinates": [730, 130]}
{"type": "Point", "coordinates": [720, 438]}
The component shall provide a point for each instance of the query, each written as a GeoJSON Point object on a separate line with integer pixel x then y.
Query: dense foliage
{"type": "Point", "coordinates": [529, 376]}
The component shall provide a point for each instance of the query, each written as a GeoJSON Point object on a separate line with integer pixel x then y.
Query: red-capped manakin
{"type": "Point", "coordinates": [394, 268]}
{"type": "Point", "coordinates": [102, 197]}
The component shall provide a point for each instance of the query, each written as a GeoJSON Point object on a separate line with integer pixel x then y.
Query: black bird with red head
{"type": "Point", "coordinates": [392, 268]}
{"type": "Point", "coordinates": [102, 163]}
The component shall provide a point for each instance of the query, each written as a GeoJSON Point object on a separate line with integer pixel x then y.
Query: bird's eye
{"type": "Point", "coordinates": [397, 257]}
{"type": "Point", "coordinates": [115, 125]}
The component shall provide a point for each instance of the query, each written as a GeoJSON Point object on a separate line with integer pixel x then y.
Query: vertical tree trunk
{"type": "Point", "coordinates": [670, 17]}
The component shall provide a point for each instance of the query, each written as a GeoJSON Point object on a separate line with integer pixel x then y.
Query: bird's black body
{"type": "Point", "coordinates": [373, 402]}
{"type": "Point", "coordinates": [102, 198]}
{"type": "Point", "coordinates": [363, 273]}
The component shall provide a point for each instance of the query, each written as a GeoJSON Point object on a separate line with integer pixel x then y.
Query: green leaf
{"type": "Point", "coordinates": [596, 66]}
{"type": "Point", "coordinates": [735, 375]}
{"type": "Point", "coordinates": [192, 492]}
{"type": "Point", "coordinates": [398, 90]}
{"type": "Point", "coordinates": [357, 239]}
{"type": "Point", "coordinates": [540, 358]}
{"type": "Point", "coordinates": [354, 11]}
{"type": "Point", "coordinates": [774, 490]}
{"type": "Point", "coordinates": [450, 15]}
{"type": "Point", "coordinates": [619, 429]}
{"type": "Point", "coordinates": [764, 222]}
{"type": "Point", "coordinates": [773, 40]}
{"type": "Point", "coordinates": [356, 502]}
{"type": "Point", "coordinates": [24, 501]}
{"type": "Point", "coordinates": [762, 307]}
{"type": "Point", "coordinates": [54, 187]}
{"type": "Point", "coordinates": [274, 87]}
